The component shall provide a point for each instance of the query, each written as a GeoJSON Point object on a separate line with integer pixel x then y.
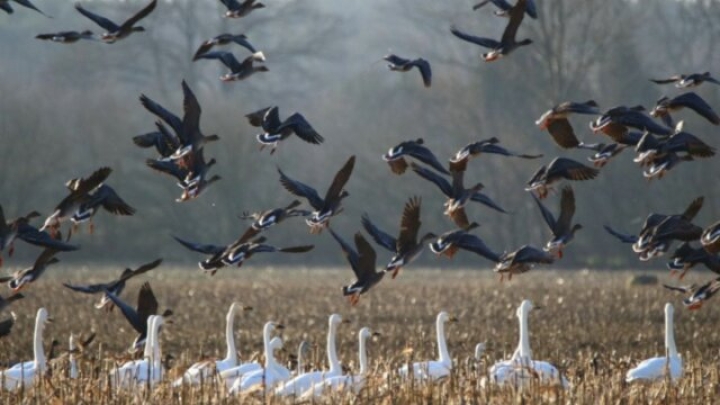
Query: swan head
{"type": "Point", "coordinates": [304, 348]}
{"type": "Point", "coordinates": [42, 317]}
{"type": "Point", "coordinates": [335, 319]}
{"type": "Point", "coordinates": [524, 307]}
{"type": "Point", "coordinates": [669, 310]}
{"type": "Point", "coordinates": [444, 317]}
{"type": "Point", "coordinates": [236, 307]}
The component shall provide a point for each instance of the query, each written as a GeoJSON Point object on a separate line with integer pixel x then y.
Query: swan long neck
{"type": "Point", "coordinates": [38, 350]}
{"type": "Point", "coordinates": [442, 345]}
{"type": "Point", "coordinates": [524, 344]}
{"type": "Point", "coordinates": [157, 356]}
{"type": "Point", "coordinates": [363, 355]}
{"type": "Point", "coordinates": [73, 363]}
{"type": "Point", "coordinates": [148, 337]}
{"type": "Point", "coordinates": [230, 336]}
{"type": "Point", "coordinates": [332, 352]}
{"type": "Point", "coordinates": [669, 334]}
{"type": "Point", "coordinates": [266, 343]}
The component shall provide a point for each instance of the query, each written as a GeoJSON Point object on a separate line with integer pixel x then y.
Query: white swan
{"type": "Point", "coordinates": [272, 374]}
{"type": "Point", "coordinates": [234, 374]}
{"type": "Point", "coordinates": [203, 370]}
{"type": "Point", "coordinates": [304, 382]}
{"type": "Point", "coordinates": [521, 369]}
{"type": "Point", "coordinates": [149, 368]}
{"type": "Point", "coordinates": [435, 369]}
{"type": "Point", "coordinates": [345, 383]}
{"type": "Point", "coordinates": [23, 374]}
{"type": "Point", "coordinates": [655, 368]}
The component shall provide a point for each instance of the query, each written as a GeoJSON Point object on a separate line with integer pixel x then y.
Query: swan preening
{"type": "Point", "coordinates": [23, 374]}
{"type": "Point", "coordinates": [521, 370]}
{"type": "Point", "coordinates": [203, 370]}
{"type": "Point", "coordinates": [657, 368]}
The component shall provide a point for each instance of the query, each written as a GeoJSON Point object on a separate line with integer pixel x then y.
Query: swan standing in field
{"type": "Point", "coordinates": [233, 374]}
{"type": "Point", "coordinates": [23, 374]}
{"type": "Point", "coordinates": [203, 370]}
{"type": "Point", "coordinates": [305, 381]}
{"type": "Point", "coordinates": [433, 370]}
{"type": "Point", "coordinates": [655, 369]}
{"type": "Point", "coordinates": [353, 383]}
{"type": "Point", "coordinates": [272, 374]}
{"type": "Point", "coordinates": [149, 367]}
{"type": "Point", "coordinates": [521, 368]}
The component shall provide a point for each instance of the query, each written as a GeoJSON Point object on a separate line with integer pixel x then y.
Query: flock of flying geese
{"type": "Point", "coordinates": [179, 142]}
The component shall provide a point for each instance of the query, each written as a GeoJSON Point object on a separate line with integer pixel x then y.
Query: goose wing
{"type": "Point", "coordinates": [231, 4]}
{"type": "Point", "coordinates": [435, 178]}
{"type": "Point", "coordinates": [6, 326]}
{"type": "Point", "coordinates": [227, 59]}
{"type": "Point", "coordinates": [271, 120]}
{"type": "Point", "coordinates": [111, 201]}
{"type": "Point", "coordinates": [517, 14]}
{"type": "Point", "coordinates": [98, 19]}
{"type": "Point", "coordinates": [693, 208]}
{"type": "Point", "coordinates": [484, 42]}
{"type": "Point", "coordinates": [302, 129]}
{"type": "Point", "coordinates": [697, 104]}
{"type": "Point", "coordinates": [487, 201]}
{"type": "Point", "coordinates": [161, 112]}
{"type": "Point", "coordinates": [168, 167]}
{"type": "Point", "coordinates": [425, 70]}
{"type": "Point", "coordinates": [191, 116]}
{"type": "Point", "coordinates": [623, 237]}
{"type": "Point", "coordinates": [367, 258]}
{"type": "Point", "coordinates": [498, 150]}
{"type": "Point", "coordinates": [350, 254]}
{"type": "Point", "coordinates": [255, 118]}
{"type": "Point", "coordinates": [301, 190]}
{"type": "Point", "coordinates": [87, 289]}
{"type": "Point", "coordinates": [129, 312]}
{"type": "Point", "coordinates": [139, 15]}
{"type": "Point", "coordinates": [200, 248]}
{"type": "Point", "coordinates": [529, 254]}
{"type": "Point", "coordinates": [562, 133]}
{"type": "Point", "coordinates": [423, 154]}
{"type": "Point", "coordinates": [338, 183]}
{"type": "Point", "coordinates": [396, 60]}
{"type": "Point", "coordinates": [570, 169]}
{"type": "Point", "coordinates": [142, 269]}
{"type": "Point", "coordinates": [476, 245]}
{"type": "Point", "coordinates": [409, 224]}
{"type": "Point", "coordinates": [671, 79]}
{"type": "Point", "coordinates": [33, 236]}
{"type": "Point", "coordinates": [381, 238]}
{"type": "Point", "coordinates": [547, 215]}
{"type": "Point", "coordinates": [567, 211]}
{"type": "Point", "coordinates": [146, 303]}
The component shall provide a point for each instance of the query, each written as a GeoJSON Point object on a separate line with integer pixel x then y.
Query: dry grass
{"type": "Point", "coordinates": [594, 326]}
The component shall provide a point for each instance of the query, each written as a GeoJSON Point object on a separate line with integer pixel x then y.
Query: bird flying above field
{"type": "Point", "coordinates": [277, 131]}
{"type": "Point", "coordinates": [226, 39]}
{"type": "Point", "coordinates": [507, 43]}
{"type": "Point", "coordinates": [560, 168]}
{"type": "Point", "coordinates": [486, 146]}
{"type": "Point", "coordinates": [562, 228]}
{"type": "Point", "coordinates": [395, 157]}
{"type": "Point", "coordinates": [5, 6]}
{"type": "Point", "coordinates": [238, 71]}
{"type": "Point", "coordinates": [236, 9]}
{"type": "Point", "coordinates": [505, 7]}
{"type": "Point", "coordinates": [555, 121]}
{"type": "Point", "coordinates": [115, 287]}
{"type": "Point", "coordinates": [114, 32]}
{"type": "Point", "coordinates": [362, 261]}
{"type": "Point", "coordinates": [398, 64]}
{"type": "Point", "coordinates": [689, 80]}
{"type": "Point", "coordinates": [265, 219]}
{"type": "Point", "coordinates": [20, 228]}
{"type": "Point", "coordinates": [325, 208]}
{"type": "Point", "coordinates": [67, 37]}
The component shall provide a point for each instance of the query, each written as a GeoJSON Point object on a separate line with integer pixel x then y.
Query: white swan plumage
{"type": "Point", "coordinates": [234, 374]}
{"type": "Point", "coordinates": [203, 370]}
{"type": "Point", "coordinates": [147, 369]}
{"type": "Point", "coordinates": [272, 374]}
{"type": "Point", "coordinates": [433, 370]}
{"type": "Point", "coordinates": [521, 370]}
{"type": "Point", "coordinates": [346, 383]}
{"type": "Point", "coordinates": [655, 369]}
{"type": "Point", "coordinates": [73, 372]}
{"type": "Point", "coordinates": [23, 374]}
{"type": "Point", "coordinates": [303, 382]}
